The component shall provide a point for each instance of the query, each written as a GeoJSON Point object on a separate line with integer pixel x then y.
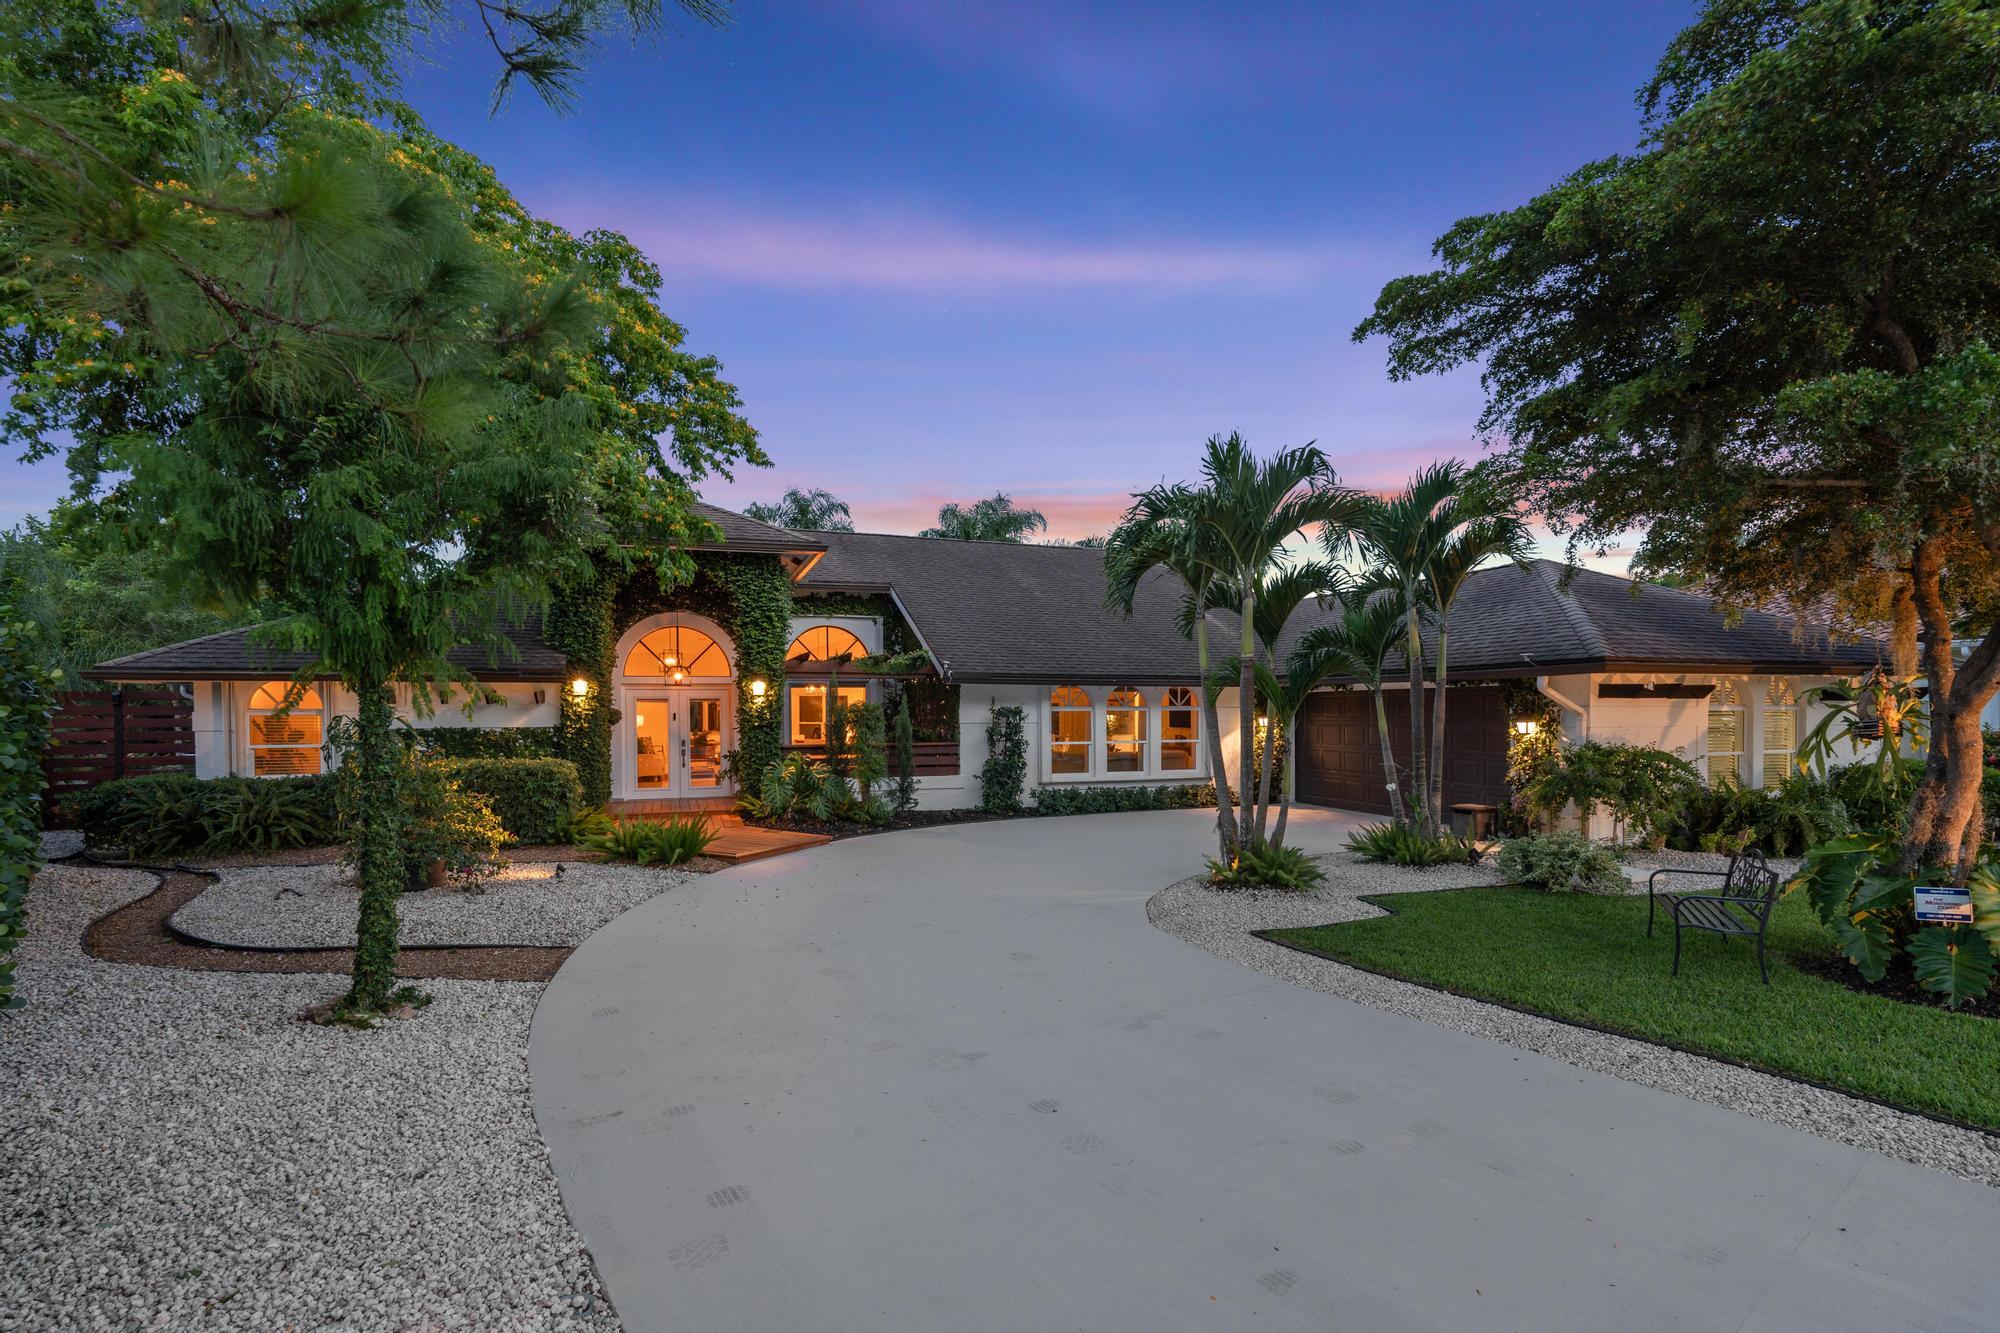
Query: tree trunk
{"type": "Point", "coordinates": [378, 858]}
{"type": "Point", "coordinates": [1246, 723]}
{"type": "Point", "coordinates": [1419, 770]}
{"type": "Point", "coordinates": [1218, 769]}
{"type": "Point", "coordinates": [1396, 808]}
{"type": "Point", "coordinates": [1434, 794]}
{"type": "Point", "coordinates": [1904, 623]}
{"type": "Point", "coordinates": [1267, 756]}
{"type": "Point", "coordinates": [1285, 790]}
{"type": "Point", "coordinates": [1946, 818]}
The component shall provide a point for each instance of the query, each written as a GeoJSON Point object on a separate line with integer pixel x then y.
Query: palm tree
{"type": "Point", "coordinates": [1252, 507]}
{"type": "Point", "coordinates": [804, 511]}
{"type": "Point", "coordinates": [994, 519]}
{"type": "Point", "coordinates": [1359, 645]}
{"type": "Point", "coordinates": [1159, 534]}
{"type": "Point", "coordinates": [1485, 527]}
{"type": "Point", "coordinates": [1280, 593]}
{"type": "Point", "coordinates": [1399, 537]}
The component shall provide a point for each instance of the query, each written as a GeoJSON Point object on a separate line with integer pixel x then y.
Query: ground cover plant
{"type": "Point", "coordinates": [1588, 960]}
{"type": "Point", "coordinates": [1266, 866]}
{"type": "Point", "coordinates": [1563, 862]}
{"type": "Point", "coordinates": [1405, 845]}
{"type": "Point", "coordinates": [665, 842]}
{"type": "Point", "coordinates": [166, 815]}
{"type": "Point", "coordinates": [1110, 800]}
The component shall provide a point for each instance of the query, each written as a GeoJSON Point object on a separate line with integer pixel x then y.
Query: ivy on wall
{"type": "Point", "coordinates": [897, 636]}
{"type": "Point", "coordinates": [1533, 752]}
{"type": "Point", "coordinates": [578, 625]}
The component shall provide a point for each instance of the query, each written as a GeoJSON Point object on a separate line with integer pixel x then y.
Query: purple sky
{"type": "Point", "coordinates": [1048, 248]}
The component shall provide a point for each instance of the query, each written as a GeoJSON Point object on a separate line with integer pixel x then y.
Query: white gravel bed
{"type": "Point", "coordinates": [314, 906]}
{"type": "Point", "coordinates": [180, 1152]}
{"type": "Point", "coordinates": [1221, 921]}
{"type": "Point", "coordinates": [60, 842]}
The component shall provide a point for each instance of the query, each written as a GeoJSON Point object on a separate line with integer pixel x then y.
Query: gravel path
{"type": "Point", "coordinates": [1220, 923]}
{"type": "Point", "coordinates": [313, 906]}
{"type": "Point", "coordinates": [179, 1151]}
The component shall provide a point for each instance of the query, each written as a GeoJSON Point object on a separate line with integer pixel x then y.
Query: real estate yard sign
{"type": "Point", "coordinates": [1944, 906]}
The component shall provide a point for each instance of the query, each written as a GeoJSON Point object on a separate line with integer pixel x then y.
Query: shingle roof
{"type": "Point", "coordinates": [229, 655]}
{"type": "Point", "coordinates": [1001, 611]}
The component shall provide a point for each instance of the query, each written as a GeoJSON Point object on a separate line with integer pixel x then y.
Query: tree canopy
{"type": "Point", "coordinates": [812, 510]}
{"type": "Point", "coordinates": [995, 519]}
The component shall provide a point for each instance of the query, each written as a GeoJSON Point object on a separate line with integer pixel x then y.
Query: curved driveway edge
{"type": "Point", "coordinates": [951, 1079]}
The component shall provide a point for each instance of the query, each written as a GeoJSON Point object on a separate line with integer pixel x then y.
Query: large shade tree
{"type": "Point", "coordinates": [1770, 339]}
{"type": "Point", "coordinates": [331, 363]}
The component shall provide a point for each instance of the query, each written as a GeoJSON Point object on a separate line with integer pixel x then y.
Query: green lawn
{"type": "Point", "coordinates": [1588, 960]}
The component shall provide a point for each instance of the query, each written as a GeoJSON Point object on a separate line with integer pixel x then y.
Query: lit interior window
{"type": "Point", "coordinates": [1781, 744]}
{"type": "Point", "coordinates": [809, 710]}
{"type": "Point", "coordinates": [1125, 731]}
{"type": "Point", "coordinates": [1725, 746]}
{"type": "Point", "coordinates": [1069, 730]}
{"type": "Point", "coordinates": [823, 643]}
{"type": "Point", "coordinates": [287, 727]}
{"type": "Point", "coordinates": [1180, 730]}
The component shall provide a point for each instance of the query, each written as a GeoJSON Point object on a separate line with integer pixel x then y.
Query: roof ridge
{"type": "Point", "coordinates": [1572, 610]}
{"type": "Point", "coordinates": [960, 541]}
{"type": "Point", "coordinates": [181, 643]}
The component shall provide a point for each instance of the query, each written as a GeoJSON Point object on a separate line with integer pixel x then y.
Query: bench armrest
{"type": "Point", "coordinates": [1676, 870]}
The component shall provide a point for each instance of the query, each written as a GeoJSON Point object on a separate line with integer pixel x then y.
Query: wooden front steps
{"type": "Point", "coordinates": [735, 841]}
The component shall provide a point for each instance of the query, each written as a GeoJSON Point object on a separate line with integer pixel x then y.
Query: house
{"type": "Point", "coordinates": [656, 691]}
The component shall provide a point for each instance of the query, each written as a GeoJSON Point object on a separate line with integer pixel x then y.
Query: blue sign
{"type": "Point", "coordinates": [1944, 906]}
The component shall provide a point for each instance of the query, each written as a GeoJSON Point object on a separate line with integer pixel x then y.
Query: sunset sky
{"type": "Point", "coordinates": [947, 249]}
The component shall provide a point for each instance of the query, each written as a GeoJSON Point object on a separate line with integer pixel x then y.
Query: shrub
{"type": "Point", "coordinates": [1267, 867]}
{"type": "Point", "coordinates": [581, 825]}
{"type": "Point", "coordinates": [1646, 789]}
{"type": "Point", "coordinates": [1006, 768]}
{"type": "Point", "coordinates": [1563, 862]}
{"type": "Point", "coordinates": [532, 797]}
{"type": "Point", "coordinates": [439, 822]}
{"type": "Point", "coordinates": [871, 748]}
{"type": "Point", "coordinates": [903, 743]}
{"type": "Point", "coordinates": [489, 742]}
{"type": "Point", "coordinates": [667, 842]}
{"type": "Point", "coordinates": [26, 696]}
{"type": "Point", "coordinates": [1783, 821]}
{"type": "Point", "coordinates": [803, 787]}
{"type": "Point", "coordinates": [1866, 902]}
{"type": "Point", "coordinates": [1110, 800]}
{"type": "Point", "coordinates": [1399, 844]}
{"type": "Point", "coordinates": [172, 814]}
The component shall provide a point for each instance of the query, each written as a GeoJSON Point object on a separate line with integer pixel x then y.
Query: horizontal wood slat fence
{"type": "Point", "coordinates": [934, 759]}
{"type": "Point", "coordinates": [99, 735]}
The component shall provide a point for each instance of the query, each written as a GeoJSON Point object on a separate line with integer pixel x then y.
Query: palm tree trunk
{"type": "Point", "coordinates": [1264, 763]}
{"type": "Point", "coordinates": [378, 859]}
{"type": "Point", "coordinates": [1246, 720]}
{"type": "Point", "coordinates": [1435, 797]}
{"type": "Point", "coordinates": [1225, 819]}
{"type": "Point", "coordinates": [1388, 756]}
{"type": "Point", "coordinates": [1284, 791]}
{"type": "Point", "coordinates": [1419, 770]}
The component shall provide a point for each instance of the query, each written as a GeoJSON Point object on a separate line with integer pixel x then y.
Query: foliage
{"type": "Point", "coordinates": [1563, 862]}
{"type": "Point", "coordinates": [1589, 960]}
{"type": "Point", "coordinates": [1358, 646]}
{"type": "Point", "coordinates": [666, 842]}
{"type": "Point", "coordinates": [1786, 411]}
{"type": "Point", "coordinates": [1267, 866]}
{"type": "Point", "coordinates": [532, 798]}
{"type": "Point", "coordinates": [1068, 800]}
{"type": "Point", "coordinates": [489, 742]}
{"type": "Point", "coordinates": [580, 826]}
{"type": "Point", "coordinates": [1867, 902]}
{"type": "Point", "coordinates": [800, 786]}
{"type": "Point", "coordinates": [1005, 771]}
{"type": "Point", "coordinates": [1889, 716]}
{"type": "Point", "coordinates": [1644, 788]}
{"type": "Point", "coordinates": [1403, 845]}
{"type": "Point", "coordinates": [812, 510]}
{"type": "Point", "coordinates": [166, 815]}
{"type": "Point", "coordinates": [871, 748]}
{"type": "Point", "coordinates": [27, 694]}
{"type": "Point", "coordinates": [1729, 817]}
{"type": "Point", "coordinates": [430, 819]}
{"type": "Point", "coordinates": [994, 519]}
{"type": "Point", "coordinates": [1530, 753]}
{"type": "Point", "coordinates": [902, 744]}
{"type": "Point", "coordinates": [1876, 798]}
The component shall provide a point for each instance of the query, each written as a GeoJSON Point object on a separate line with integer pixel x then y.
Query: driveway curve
{"type": "Point", "coordinates": [952, 1080]}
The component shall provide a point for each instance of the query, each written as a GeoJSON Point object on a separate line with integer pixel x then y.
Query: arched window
{"type": "Point", "coordinates": [1069, 730]}
{"type": "Point", "coordinates": [823, 642]}
{"type": "Point", "coordinates": [676, 652]}
{"type": "Point", "coordinates": [1180, 730]}
{"type": "Point", "coordinates": [287, 727]}
{"type": "Point", "coordinates": [1125, 731]}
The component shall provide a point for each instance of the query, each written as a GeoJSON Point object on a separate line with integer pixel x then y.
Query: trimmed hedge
{"type": "Point", "coordinates": [168, 814]}
{"type": "Point", "coordinates": [533, 798]}
{"type": "Point", "coordinates": [26, 695]}
{"type": "Point", "coordinates": [1109, 800]}
{"type": "Point", "coordinates": [488, 742]}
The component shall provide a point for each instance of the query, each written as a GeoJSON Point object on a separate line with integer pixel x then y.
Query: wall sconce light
{"type": "Point", "coordinates": [757, 687]}
{"type": "Point", "coordinates": [1526, 726]}
{"type": "Point", "coordinates": [580, 686]}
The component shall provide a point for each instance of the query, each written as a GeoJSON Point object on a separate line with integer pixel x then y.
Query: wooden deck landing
{"type": "Point", "coordinates": [735, 842]}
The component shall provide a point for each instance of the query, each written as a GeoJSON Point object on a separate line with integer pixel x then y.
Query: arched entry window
{"type": "Point", "coordinates": [824, 642]}
{"type": "Point", "coordinates": [677, 652]}
{"type": "Point", "coordinates": [287, 727]}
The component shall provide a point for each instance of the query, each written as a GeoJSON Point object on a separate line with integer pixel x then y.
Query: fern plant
{"type": "Point", "coordinates": [666, 842]}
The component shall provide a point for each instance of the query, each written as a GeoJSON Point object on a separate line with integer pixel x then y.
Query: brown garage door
{"type": "Point", "coordinates": [1340, 758]}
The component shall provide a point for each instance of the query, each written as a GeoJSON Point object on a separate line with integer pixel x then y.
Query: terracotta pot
{"type": "Point", "coordinates": [436, 878]}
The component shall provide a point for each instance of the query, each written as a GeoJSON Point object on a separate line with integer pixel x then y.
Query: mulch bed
{"type": "Point", "coordinates": [1899, 985]}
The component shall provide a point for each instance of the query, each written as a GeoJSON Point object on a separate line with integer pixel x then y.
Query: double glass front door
{"type": "Point", "coordinates": [677, 743]}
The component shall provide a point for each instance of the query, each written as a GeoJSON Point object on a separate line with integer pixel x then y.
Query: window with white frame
{"type": "Point", "coordinates": [1069, 731]}
{"type": "Point", "coordinates": [1180, 731]}
{"type": "Point", "coordinates": [809, 707]}
{"type": "Point", "coordinates": [1781, 743]}
{"type": "Point", "coordinates": [1125, 731]}
{"type": "Point", "coordinates": [1725, 745]}
{"type": "Point", "coordinates": [287, 725]}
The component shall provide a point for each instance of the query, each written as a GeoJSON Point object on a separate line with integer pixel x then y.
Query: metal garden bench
{"type": "Point", "coordinates": [1742, 906]}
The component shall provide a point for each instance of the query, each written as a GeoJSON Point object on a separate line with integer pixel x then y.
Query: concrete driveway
{"type": "Point", "coordinates": [952, 1080]}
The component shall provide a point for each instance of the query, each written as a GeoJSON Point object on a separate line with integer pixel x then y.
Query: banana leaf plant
{"type": "Point", "coordinates": [1869, 907]}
